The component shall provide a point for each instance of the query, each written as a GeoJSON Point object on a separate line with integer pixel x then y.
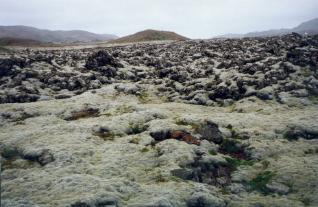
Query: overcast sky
{"type": "Point", "coordinates": [192, 18]}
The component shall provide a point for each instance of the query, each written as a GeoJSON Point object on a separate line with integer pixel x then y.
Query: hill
{"type": "Point", "coordinates": [150, 35]}
{"type": "Point", "coordinates": [309, 27]}
{"type": "Point", "coordinates": [8, 41]}
{"type": "Point", "coordinates": [57, 36]}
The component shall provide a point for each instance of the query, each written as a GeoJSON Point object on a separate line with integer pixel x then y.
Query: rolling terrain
{"type": "Point", "coordinates": [57, 36]}
{"type": "Point", "coordinates": [222, 123]}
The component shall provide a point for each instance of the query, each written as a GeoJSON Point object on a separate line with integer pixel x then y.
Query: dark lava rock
{"type": "Point", "coordinates": [295, 132]}
{"type": "Point", "coordinates": [6, 65]}
{"type": "Point", "coordinates": [184, 173]}
{"type": "Point", "coordinates": [210, 131]}
{"type": "Point", "coordinates": [180, 135]}
{"type": "Point", "coordinates": [204, 200]}
{"type": "Point", "coordinates": [43, 156]}
{"type": "Point", "coordinates": [101, 58]}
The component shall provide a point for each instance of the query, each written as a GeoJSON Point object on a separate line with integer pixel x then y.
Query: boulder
{"type": "Point", "coordinates": [210, 131]}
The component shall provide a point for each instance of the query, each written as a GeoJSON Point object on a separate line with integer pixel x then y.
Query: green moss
{"type": "Point", "coordinates": [143, 97]}
{"type": "Point", "coordinates": [4, 49]}
{"type": "Point", "coordinates": [137, 128]}
{"type": "Point", "coordinates": [306, 72]}
{"type": "Point", "coordinates": [175, 179]}
{"type": "Point", "coordinates": [123, 110]}
{"type": "Point", "coordinates": [234, 163]}
{"type": "Point", "coordinates": [313, 98]}
{"type": "Point", "coordinates": [181, 122]}
{"type": "Point", "coordinates": [230, 146]}
{"type": "Point", "coordinates": [260, 181]}
{"type": "Point", "coordinates": [160, 178]}
{"type": "Point", "coordinates": [212, 152]}
{"type": "Point", "coordinates": [135, 140]}
{"type": "Point", "coordinates": [16, 164]}
{"type": "Point", "coordinates": [265, 164]}
{"type": "Point", "coordinates": [306, 201]}
{"type": "Point", "coordinates": [224, 191]}
{"type": "Point", "coordinates": [144, 150]}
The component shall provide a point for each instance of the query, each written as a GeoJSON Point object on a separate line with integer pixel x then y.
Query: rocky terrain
{"type": "Point", "coordinates": [218, 123]}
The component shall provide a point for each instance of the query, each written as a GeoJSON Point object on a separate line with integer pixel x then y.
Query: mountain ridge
{"type": "Point", "coordinates": [55, 36]}
{"type": "Point", "coordinates": [309, 27]}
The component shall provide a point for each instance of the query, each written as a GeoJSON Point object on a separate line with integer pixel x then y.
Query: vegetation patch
{"type": "Point", "coordinates": [84, 113]}
{"type": "Point", "coordinates": [145, 149]}
{"type": "Point", "coordinates": [182, 122]}
{"type": "Point", "coordinates": [136, 128]}
{"type": "Point", "coordinates": [234, 163]}
{"type": "Point", "coordinates": [260, 181]}
{"type": "Point", "coordinates": [212, 152]}
{"type": "Point", "coordinates": [143, 97]}
{"type": "Point", "coordinates": [135, 140]}
{"type": "Point", "coordinates": [233, 148]}
{"type": "Point", "coordinates": [124, 109]}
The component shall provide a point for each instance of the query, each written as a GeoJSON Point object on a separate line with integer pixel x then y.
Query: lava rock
{"type": "Point", "coordinates": [210, 131]}
{"type": "Point", "coordinates": [101, 58]}
{"type": "Point", "coordinates": [204, 200]}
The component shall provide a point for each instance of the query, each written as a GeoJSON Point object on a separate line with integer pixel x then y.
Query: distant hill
{"type": "Point", "coordinates": [57, 36]}
{"type": "Point", "coordinates": [8, 41]}
{"type": "Point", "coordinates": [309, 27]}
{"type": "Point", "coordinates": [149, 35]}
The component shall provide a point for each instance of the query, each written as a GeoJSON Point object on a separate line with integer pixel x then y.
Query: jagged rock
{"type": "Point", "coordinates": [294, 132]}
{"type": "Point", "coordinates": [42, 156]}
{"type": "Point", "coordinates": [204, 200]}
{"type": "Point", "coordinates": [180, 135]}
{"type": "Point", "coordinates": [101, 58]}
{"type": "Point", "coordinates": [210, 131]}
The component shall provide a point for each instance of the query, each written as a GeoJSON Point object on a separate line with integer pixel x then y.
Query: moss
{"type": "Point", "coordinates": [310, 151]}
{"type": "Point", "coordinates": [212, 152]}
{"type": "Point", "coordinates": [143, 97]}
{"type": "Point", "coordinates": [313, 98]}
{"type": "Point", "coordinates": [106, 136]}
{"type": "Point", "coordinates": [181, 122]}
{"type": "Point", "coordinates": [234, 163]}
{"type": "Point", "coordinates": [19, 123]}
{"type": "Point", "coordinates": [306, 72]}
{"type": "Point", "coordinates": [230, 146]}
{"type": "Point", "coordinates": [260, 181]}
{"type": "Point", "coordinates": [124, 109]}
{"type": "Point", "coordinates": [305, 200]}
{"type": "Point", "coordinates": [85, 113]}
{"type": "Point", "coordinates": [144, 150]}
{"type": "Point", "coordinates": [160, 178]}
{"type": "Point", "coordinates": [137, 128]}
{"type": "Point", "coordinates": [265, 164]}
{"type": "Point", "coordinates": [135, 140]}
{"type": "Point", "coordinates": [4, 49]}
{"type": "Point", "coordinates": [16, 164]}
{"type": "Point", "coordinates": [175, 179]}
{"type": "Point", "coordinates": [224, 191]}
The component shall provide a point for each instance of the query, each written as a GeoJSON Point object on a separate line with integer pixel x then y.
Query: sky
{"type": "Point", "coordinates": [191, 18]}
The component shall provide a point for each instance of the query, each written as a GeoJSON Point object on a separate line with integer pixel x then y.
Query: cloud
{"type": "Point", "coordinates": [193, 18]}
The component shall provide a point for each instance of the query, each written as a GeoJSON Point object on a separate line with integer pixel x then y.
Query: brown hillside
{"type": "Point", "coordinates": [8, 41]}
{"type": "Point", "coordinates": [149, 35]}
